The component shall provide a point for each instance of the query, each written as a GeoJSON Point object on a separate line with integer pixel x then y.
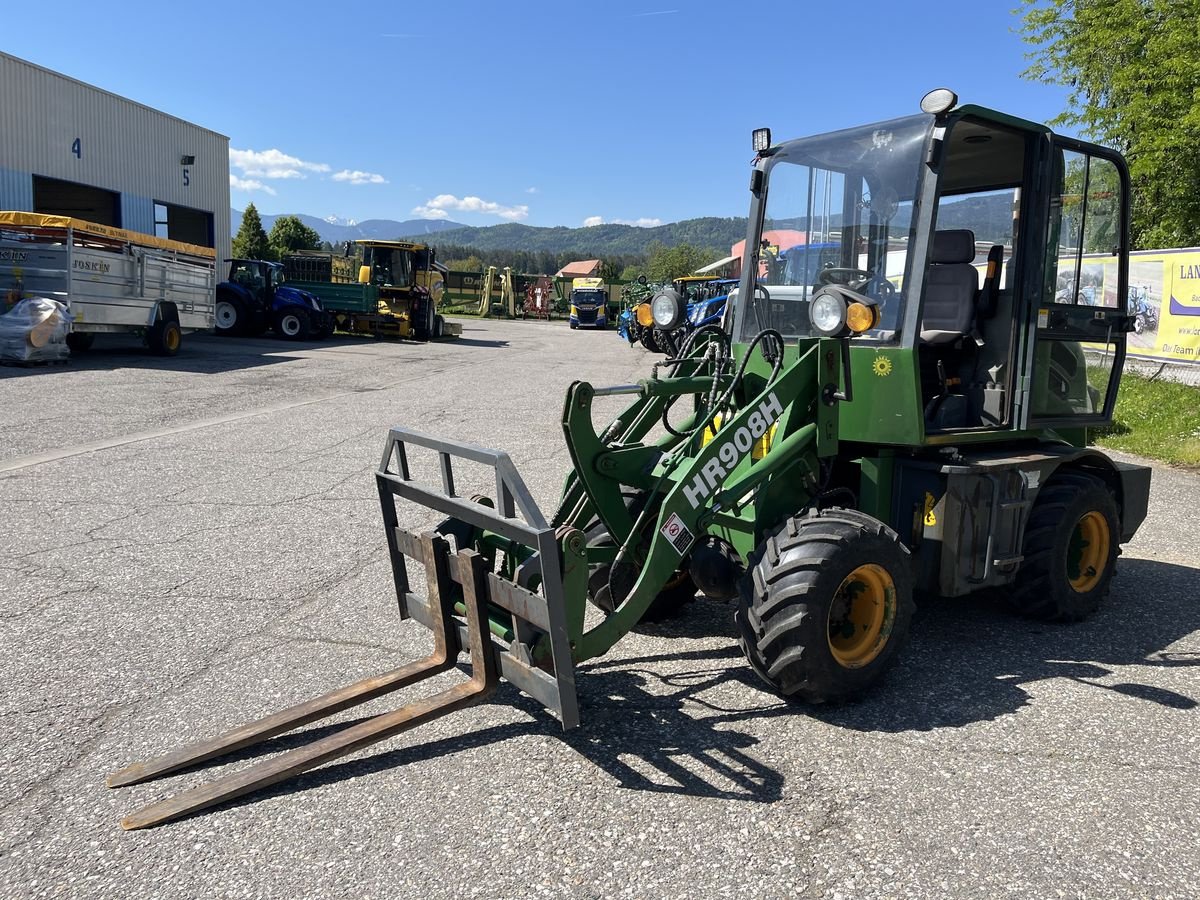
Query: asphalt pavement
{"type": "Point", "coordinates": [193, 542]}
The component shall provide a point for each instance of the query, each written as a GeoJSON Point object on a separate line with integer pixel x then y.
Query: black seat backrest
{"type": "Point", "coordinates": [950, 288]}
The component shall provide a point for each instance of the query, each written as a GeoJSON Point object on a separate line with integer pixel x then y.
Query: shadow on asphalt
{"type": "Point", "coordinates": [206, 354]}
{"type": "Point", "coordinates": [966, 662]}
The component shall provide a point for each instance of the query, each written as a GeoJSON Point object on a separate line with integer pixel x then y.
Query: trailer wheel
{"type": "Point", "coordinates": [293, 324]}
{"type": "Point", "coordinates": [825, 606]}
{"type": "Point", "coordinates": [165, 337]}
{"type": "Point", "coordinates": [80, 341]}
{"type": "Point", "coordinates": [1070, 550]}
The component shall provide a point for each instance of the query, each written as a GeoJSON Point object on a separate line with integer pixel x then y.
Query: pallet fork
{"type": "Point", "coordinates": [509, 631]}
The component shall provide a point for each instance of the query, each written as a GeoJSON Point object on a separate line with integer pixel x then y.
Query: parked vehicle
{"type": "Point", "coordinates": [1145, 313]}
{"type": "Point", "coordinates": [588, 303]}
{"type": "Point", "coordinates": [256, 297]}
{"type": "Point", "coordinates": [111, 280]}
{"type": "Point", "coordinates": [381, 288]}
{"type": "Point", "coordinates": [798, 464]}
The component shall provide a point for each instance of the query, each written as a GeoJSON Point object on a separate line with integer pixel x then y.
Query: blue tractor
{"type": "Point", "coordinates": [255, 298]}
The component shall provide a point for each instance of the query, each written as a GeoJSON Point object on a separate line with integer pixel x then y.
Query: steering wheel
{"type": "Point", "coordinates": [842, 275]}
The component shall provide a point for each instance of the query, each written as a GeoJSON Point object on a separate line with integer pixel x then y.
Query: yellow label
{"type": "Point", "coordinates": [930, 517]}
{"type": "Point", "coordinates": [882, 366]}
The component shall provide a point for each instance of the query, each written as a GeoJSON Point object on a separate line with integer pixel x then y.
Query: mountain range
{"type": "Point", "coordinates": [990, 216]}
{"type": "Point", "coordinates": [339, 230]}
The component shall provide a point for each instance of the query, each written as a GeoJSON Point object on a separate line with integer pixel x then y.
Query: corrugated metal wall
{"type": "Point", "coordinates": [57, 127]}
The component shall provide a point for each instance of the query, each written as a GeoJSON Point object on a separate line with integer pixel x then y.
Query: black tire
{"type": "Point", "coordinates": [809, 589]}
{"type": "Point", "coordinates": [80, 341]}
{"type": "Point", "coordinates": [328, 327]}
{"type": "Point", "coordinates": [165, 337]}
{"type": "Point", "coordinates": [1070, 550]}
{"type": "Point", "coordinates": [650, 340]}
{"type": "Point", "coordinates": [424, 322]}
{"type": "Point", "coordinates": [439, 327]}
{"type": "Point", "coordinates": [678, 592]}
{"type": "Point", "coordinates": [293, 324]}
{"type": "Point", "coordinates": [574, 325]}
{"type": "Point", "coordinates": [231, 316]}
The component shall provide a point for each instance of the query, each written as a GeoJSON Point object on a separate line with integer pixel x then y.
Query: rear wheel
{"type": "Point", "coordinates": [1070, 550]}
{"type": "Point", "coordinates": [293, 324]}
{"type": "Point", "coordinates": [826, 605]}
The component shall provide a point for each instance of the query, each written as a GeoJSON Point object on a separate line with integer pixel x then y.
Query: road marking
{"type": "Point", "coordinates": [37, 459]}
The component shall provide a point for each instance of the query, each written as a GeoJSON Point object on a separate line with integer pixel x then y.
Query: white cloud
{"type": "Point", "coordinates": [249, 184]}
{"type": "Point", "coordinates": [272, 164]}
{"type": "Point", "coordinates": [644, 222]}
{"type": "Point", "coordinates": [357, 177]}
{"type": "Point", "coordinates": [441, 206]}
{"type": "Point", "coordinates": [532, 190]}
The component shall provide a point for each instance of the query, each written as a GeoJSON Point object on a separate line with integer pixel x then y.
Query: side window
{"type": "Point", "coordinates": [1079, 335]}
{"type": "Point", "coordinates": [1088, 232]}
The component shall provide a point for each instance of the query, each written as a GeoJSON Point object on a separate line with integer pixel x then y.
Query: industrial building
{"type": "Point", "coordinates": [71, 149]}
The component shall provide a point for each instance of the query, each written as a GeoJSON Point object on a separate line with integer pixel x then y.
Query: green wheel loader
{"type": "Point", "coordinates": [909, 415]}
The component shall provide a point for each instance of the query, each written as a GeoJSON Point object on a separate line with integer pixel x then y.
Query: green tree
{"type": "Point", "coordinates": [1134, 79]}
{"type": "Point", "coordinates": [289, 234]}
{"type": "Point", "coordinates": [251, 241]}
{"type": "Point", "coordinates": [666, 263]}
{"type": "Point", "coordinates": [631, 273]}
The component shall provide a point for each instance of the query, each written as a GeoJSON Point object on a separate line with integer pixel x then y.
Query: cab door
{"type": "Point", "coordinates": [1080, 318]}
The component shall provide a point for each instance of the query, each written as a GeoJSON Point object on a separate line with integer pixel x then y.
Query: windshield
{"type": "Point", "coordinates": [839, 210]}
{"type": "Point", "coordinates": [588, 296]}
{"type": "Point", "coordinates": [391, 266]}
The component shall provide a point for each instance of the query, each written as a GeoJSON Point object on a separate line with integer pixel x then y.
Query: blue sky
{"type": "Point", "coordinates": [529, 111]}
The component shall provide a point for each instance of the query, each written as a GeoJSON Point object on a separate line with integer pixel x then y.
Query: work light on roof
{"type": "Point", "coordinates": [938, 101]}
{"type": "Point", "coordinates": [762, 139]}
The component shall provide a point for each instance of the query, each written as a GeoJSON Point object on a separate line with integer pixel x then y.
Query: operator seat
{"type": "Point", "coordinates": [951, 286]}
{"type": "Point", "coordinates": [946, 347]}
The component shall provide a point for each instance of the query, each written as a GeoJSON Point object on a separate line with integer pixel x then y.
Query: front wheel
{"type": "Point", "coordinates": [1070, 550]}
{"type": "Point", "coordinates": [650, 340]}
{"type": "Point", "coordinates": [826, 605]}
{"type": "Point", "coordinates": [230, 317]}
{"type": "Point", "coordinates": [293, 324]}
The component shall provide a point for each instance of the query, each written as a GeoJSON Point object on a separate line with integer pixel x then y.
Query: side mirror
{"type": "Point", "coordinates": [364, 274]}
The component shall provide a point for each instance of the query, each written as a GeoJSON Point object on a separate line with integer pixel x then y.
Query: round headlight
{"type": "Point", "coordinates": [667, 310]}
{"type": "Point", "coordinates": [644, 317]}
{"type": "Point", "coordinates": [828, 313]}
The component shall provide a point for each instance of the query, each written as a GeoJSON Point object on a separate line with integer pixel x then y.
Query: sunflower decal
{"type": "Point", "coordinates": [882, 366]}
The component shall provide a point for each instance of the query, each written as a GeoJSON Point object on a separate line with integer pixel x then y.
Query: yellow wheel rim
{"type": "Point", "coordinates": [172, 339]}
{"type": "Point", "coordinates": [1087, 554]}
{"type": "Point", "coordinates": [861, 616]}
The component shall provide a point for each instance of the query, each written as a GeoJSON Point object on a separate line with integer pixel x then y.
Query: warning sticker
{"type": "Point", "coordinates": [677, 533]}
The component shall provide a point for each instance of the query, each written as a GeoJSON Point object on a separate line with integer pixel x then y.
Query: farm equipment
{"type": "Point", "coordinates": [539, 299]}
{"type": "Point", "coordinates": [854, 437]}
{"type": "Point", "coordinates": [255, 297]}
{"type": "Point", "coordinates": [635, 323]}
{"type": "Point", "coordinates": [381, 288]}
